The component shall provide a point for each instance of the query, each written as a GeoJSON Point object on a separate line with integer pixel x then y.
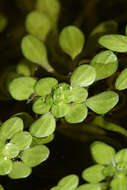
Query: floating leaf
{"type": "Point", "coordinates": [1, 187]}
{"type": "Point", "coordinates": [109, 171]}
{"type": "Point", "coordinates": [35, 155]}
{"type": "Point", "coordinates": [103, 102]}
{"type": "Point", "coordinates": [40, 106]}
{"type": "Point", "coordinates": [44, 126]}
{"type": "Point", "coordinates": [10, 151]}
{"type": "Point", "coordinates": [60, 110]}
{"type": "Point", "coordinates": [22, 140]}
{"type": "Point", "coordinates": [121, 156]}
{"type": "Point", "coordinates": [105, 64]}
{"type": "Point", "coordinates": [114, 42]}
{"type": "Point", "coordinates": [23, 68]}
{"type": "Point", "coordinates": [22, 88]}
{"type": "Point", "coordinates": [69, 182]}
{"type": "Point", "coordinates": [71, 40]}
{"type": "Point", "coordinates": [93, 174]}
{"type": "Point", "coordinates": [102, 153]}
{"type": "Point", "coordinates": [45, 85]}
{"type": "Point", "coordinates": [89, 187]}
{"type": "Point", "coordinates": [40, 141]}
{"type": "Point", "coordinates": [83, 76]}
{"type": "Point", "coordinates": [119, 183]}
{"type": "Point", "coordinates": [77, 113]}
{"type": "Point", "coordinates": [38, 24]}
{"type": "Point", "coordinates": [50, 8]}
{"type": "Point", "coordinates": [5, 166]}
{"type": "Point", "coordinates": [121, 81]}
{"type": "Point", "coordinates": [35, 51]}
{"type": "Point", "coordinates": [10, 127]}
{"type": "Point", "coordinates": [19, 170]}
{"type": "Point", "coordinates": [79, 94]}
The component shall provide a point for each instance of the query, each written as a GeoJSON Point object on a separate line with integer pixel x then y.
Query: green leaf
{"type": "Point", "coordinates": [35, 155]}
{"type": "Point", "coordinates": [23, 68]}
{"type": "Point", "coordinates": [5, 166]}
{"type": "Point", "coordinates": [121, 156]}
{"type": "Point", "coordinates": [119, 183]}
{"type": "Point", "coordinates": [121, 81]}
{"type": "Point", "coordinates": [45, 85]}
{"type": "Point", "coordinates": [19, 170]}
{"type": "Point", "coordinates": [83, 76]}
{"type": "Point", "coordinates": [35, 51]}
{"type": "Point", "coordinates": [60, 110]}
{"type": "Point", "coordinates": [69, 182]}
{"type": "Point", "coordinates": [62, 95]}
{"type": "Point", "coordinates": [44, 126]}
{"type": "Point", "coordinates": [79, 94]}
{"type": "Point", "coordinates": [105, 64]}
{"type": "Point", "coordinates": [102, 153]}
{"type": "Point", "coordinates": [22, 88]}
{"type": "Point", "coordinates": [93, 174]}
{"type": "Point", "coordinates": [22, 140]}
{"type": "Point", "coordinates": [40, 106]}
{"type": "Point", "coordinates": [109, 171]}
{"type": "Point", "coordinates": [10, 151]}
{"type": "Point", "coordinates": [103, 102]}
{"type": "Point", "coordinates": [71, 40]}
{"type": "Point", "coordinates": [38, 24]}
{"type": "Point", "coordinates": [89, 187]}
{"type": "Point", "coordinates": [40, 141]}
{"type": "Point", "coordinates": [10, 127]}
{"type": "Point", "coordinates": [1, 187]}
{"type": "Point", "coordinates": [50, 8]}
{"type": "Point", "coordinates": [77, 113]}
{"type": "Point", "coordinates": [114, 42]}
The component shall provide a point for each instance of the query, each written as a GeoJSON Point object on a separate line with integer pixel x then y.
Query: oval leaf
{"type": "Point", "coordinates": [105, 64]}
{"type": "Point", "coordinates": [44, 86]}
{"type": "Point", "coordinates": [103, 102]}
{"type": "Point", "coordinates": [22, 140]}
{"type": "Point", "coordinates": [119, 183]}
{"type": "Point", "coordinates": [22, 88]}
{"type": "Point", "coordinates": [121, 156]}
{"type": "Point", "coordinates": [19, 170]}
{"type": "Point", "coordinates": [102, 153]}
{"type": "Point", "coordinates": [121, 81]}
{"type": "Point", "coordinates": [5, 167]}
{"type": "Point", "coordinates": [40, 106]}
{"type": "Point", "coordinates": [35, 155]}
{"type": "Point", "coordinates": [11, 126]}
{"type": "Point", "coordinates": [69, 182]}
{"type": "Point", "coordinates": [83, 76]}
{"type": "Point", "coordinates": [44, 126]}
{"type": "Point", "coordinates": [79, 94]}
{"type": "Point", "coordinates": [10, 151]}
{"type": "Point", "coordinates": [89, 187]}
{"type": "Point", "coordinates": [71, 40]}
{"type": "Point", "coordinates": [94, 174]}
{"type": "Point", "coordinates": [60, 110]}
{"type": "Point", "coordinates": [77, 113]}
{"type": "Point", "coordinates": [38, 24]}
{"type": "Point", "coordinates": [114, 42]}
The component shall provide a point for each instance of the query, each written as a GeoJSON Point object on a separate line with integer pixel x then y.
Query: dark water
{"type": "Point", "coordinates": [68, 155]}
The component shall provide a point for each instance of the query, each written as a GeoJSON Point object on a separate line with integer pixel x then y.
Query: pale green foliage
{"type": "Point", "coordinates": [40, 106]}
{"type": "Point", "coordinates": [51, 8]}
{"type": "Point", "coordinates": [89, 187]}
{"type": "Point", "coordinates": [83, 75]}
{"type": "Point", "coordinates": [79, 94]}
{"type": "Point", "coordinates": [40, 141]}
{"type": "Point", "coordinates": [103, 102]}
{"type": "Point", "coordinates": [121, 81]}
{"type": "Point", "coordinates": [102, 153]}
{"type": "Point", "coordinates": [44, 126]}
{"type": "Point", "coordinates": [10, 151]}
{"type": "Point", "coordinates": [1, 187]}
{"type": "Point", "coordinates": [119, 183]}
{"type": "Point", "coordinates": [121, 156]}
{"type": "Point", "coordinates": [60, 110]}
{"type": "Point", "coordinates": [77, 113]}
{"type": "Point", "coordinates": [19, 170]}
{"type": "Point", "coordinates": [22, 88]}
{"type": "Point", "coordinates": [44, 86]}
{"type": "Point", "coordinates": [93, 174]}
{"type": "Point", "coordinates": [114, 42]}
{"type": "Point", "coordinates": [38, 24]}
{"type": "Point", "coordinates": [5, 166]}
{"type": "Point", "coordinates": [105, 64]}
{"type": "Point", "coordinates": [35, 155]}
{"type": "Point", "coordinates": [71, 41]}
